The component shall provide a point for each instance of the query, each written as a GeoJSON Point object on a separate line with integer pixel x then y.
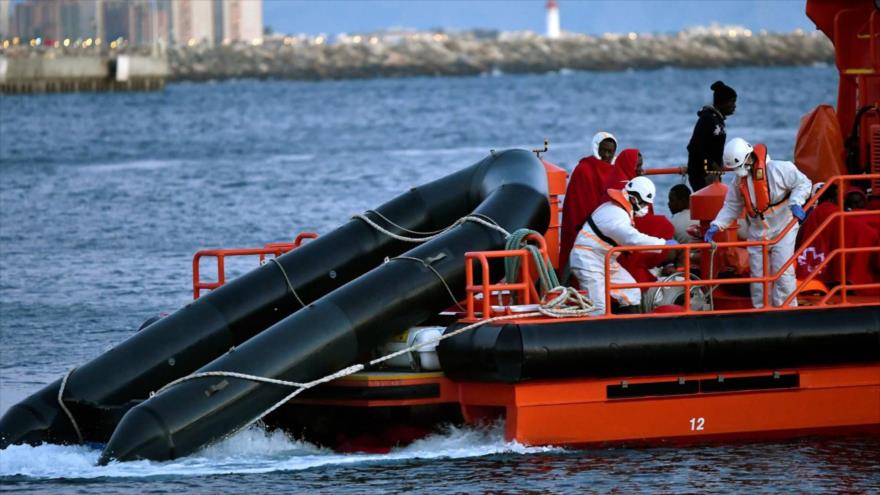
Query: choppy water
{"type": "Point", "coordinates": [104, 198]}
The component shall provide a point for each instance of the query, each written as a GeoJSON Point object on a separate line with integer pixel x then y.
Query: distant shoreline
{"type": "Point", "coordinates": [467, 54]}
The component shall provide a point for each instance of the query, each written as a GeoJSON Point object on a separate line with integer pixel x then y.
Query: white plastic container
{"type": "Point", "coordinates": [422, 359]}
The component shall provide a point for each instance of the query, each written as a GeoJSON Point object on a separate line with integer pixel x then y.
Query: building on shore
{"type": "Point", "coordinates": [135, 22]}
{"type": "Point", "coordinates": [5, 20]}
{"type": "Point", "coordinates": [240, 20]}
{"type": "Point", "coordinates": [192, 21]}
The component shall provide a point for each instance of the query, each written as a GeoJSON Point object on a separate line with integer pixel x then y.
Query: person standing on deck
{"type": "Point", "coordinates": [612, 224]}
{"type": "Point", "coordinates": [771, 192]}
{"type": "Point", "coordinates": [586, 191]}
{"type": "Point", "coordinates": [707, 141]}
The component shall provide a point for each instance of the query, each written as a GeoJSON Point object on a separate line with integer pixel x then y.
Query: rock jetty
{"type": "Point", "coordinates": [443, 54]}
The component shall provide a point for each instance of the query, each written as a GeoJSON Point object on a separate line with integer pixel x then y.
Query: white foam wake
{"type": "Point", "coordinates": [250, 451]}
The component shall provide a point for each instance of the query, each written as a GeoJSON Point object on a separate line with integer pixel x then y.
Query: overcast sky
{"type": "Point", "coordinates": [593, 16]}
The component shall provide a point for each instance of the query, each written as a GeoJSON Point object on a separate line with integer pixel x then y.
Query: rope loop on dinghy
{"type": "Point", "coordinates": [287, 279]}
{"type": "Point", "coordinates": [427, 236]}
{"type": "Point", "coordinates": [427, 265]}
{"type": "Point", "coordinates": [64, 406]}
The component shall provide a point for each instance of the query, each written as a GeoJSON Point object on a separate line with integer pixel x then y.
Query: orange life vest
{"type": "Point", "coordinates": [760, 184]}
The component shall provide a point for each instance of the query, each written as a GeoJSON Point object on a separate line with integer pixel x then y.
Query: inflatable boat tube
{"type": "Point", "coordinates": [664, 345]}
{"type": "Point", "coordinates": [509, 189]}
{"type": "Point", "coordinates": [101, 391]}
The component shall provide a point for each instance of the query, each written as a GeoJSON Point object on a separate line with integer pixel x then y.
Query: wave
{"type": "Point", "coordinates": [130, 165]}
{"type": "Point", "coordinates": [251, 451]}
{"type": "Point", "coordinates": [288, 158]}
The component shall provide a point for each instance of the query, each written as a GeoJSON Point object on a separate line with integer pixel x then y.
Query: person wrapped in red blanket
{"type": "Point", "coordinates": [586, 191]}
{"type": "Point", "coordinates": [861, 268]}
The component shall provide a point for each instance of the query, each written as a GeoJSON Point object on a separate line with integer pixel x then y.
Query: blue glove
{"type": "Point", "coordinates": [671, 242]}
{"type": "Point", "coordinates": [711, 232]}
{"type": "Point", "coordinates": [798, 212]}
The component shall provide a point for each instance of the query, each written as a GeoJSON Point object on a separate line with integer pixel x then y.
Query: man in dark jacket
{"type": "Point", "coordinates": [707, 142]}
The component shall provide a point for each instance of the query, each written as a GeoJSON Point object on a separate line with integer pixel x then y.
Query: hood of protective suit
{"type": "Point", "coordinates": [598, 138]}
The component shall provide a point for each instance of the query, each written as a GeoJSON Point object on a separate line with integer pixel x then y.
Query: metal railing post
{"type": "Point", "coordinates": [687, 278]}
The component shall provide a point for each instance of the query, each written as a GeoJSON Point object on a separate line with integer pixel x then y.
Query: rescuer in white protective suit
{"type": "Point", "coordinates": [612, 225]}
{"type": "Point", "coordinates": [771, 192]}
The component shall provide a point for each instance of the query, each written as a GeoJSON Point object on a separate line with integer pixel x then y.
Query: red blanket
{"type": "Point", "coordinates": [638, 264]}
{"type": "Point", "coordinates": [585, 192]}
{"type": "Point", "coordinates": [861, 268]}
{"type": "Point", "coordinates": [624, 169]}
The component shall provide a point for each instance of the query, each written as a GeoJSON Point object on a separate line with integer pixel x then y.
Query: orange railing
{"type": "Point", "coordinates": [527, 294]}
{"type": "Point", "coordinates": [666, 171]}
{"type": "Point", "coordinates": [524, 290]}
{"type": "Point", "coordinates": [275, 249]}
{"type": "Point", "coordinates": [765, 245]}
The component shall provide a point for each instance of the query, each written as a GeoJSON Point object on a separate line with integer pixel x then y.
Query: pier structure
{"type": "Point", "coordinates": [93, 72]}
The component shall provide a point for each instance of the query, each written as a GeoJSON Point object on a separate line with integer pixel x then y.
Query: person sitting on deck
{"type": "Point", "coordinates": [855, 199]}
{"type": "Point", "coordinates": [586, 191]}
{"type": "Point", "coordinates": [861, 268]}
{"type": "Point", "coordinates": [771, 192]}
{"type": "Point", "coordinates": [612, 224]}
{"type": "Point", "coordinates": [679, 205]}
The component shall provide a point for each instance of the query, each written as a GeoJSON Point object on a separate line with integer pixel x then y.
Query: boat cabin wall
{"type": "Point", "coordinates": [557, 179]}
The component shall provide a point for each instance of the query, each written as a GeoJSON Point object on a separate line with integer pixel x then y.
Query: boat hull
{"type": "Point", "coordinates": [585, 412]}
{"type": "Point", "coordinates": [667, 410]}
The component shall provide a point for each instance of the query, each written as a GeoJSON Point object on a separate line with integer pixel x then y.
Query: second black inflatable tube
{"type": "Point", "coordinates": [663, 345]}
{"type": "Point", "coordinates": [510, 188]}
{"type": "Point", "coordinates": [100, 391]}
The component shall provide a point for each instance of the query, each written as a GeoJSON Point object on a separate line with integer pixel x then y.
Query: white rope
{"type": "Point", "coordinates": [287, 279]}
{"type": "Point", "coordinates": [469, 218]}
{"type": "Point", "coordinates": [442, 280]}
{"type": "Point", "coordinates": [401, 227]}
{"type": "Point", "coordinates": [558, 307]}
{"type": "Point", "coordinates": [229, 374]}
{"type": "Point", "coordinates": [64, 406]}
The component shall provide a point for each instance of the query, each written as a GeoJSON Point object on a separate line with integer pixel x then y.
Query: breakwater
{"type": "Point", "coordinates": [77, 68]}
{"type": "Point", "coordinates": [442, 54]}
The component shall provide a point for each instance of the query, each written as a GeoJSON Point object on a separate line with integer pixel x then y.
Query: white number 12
{"type": "Point", "coordinates": [697, 424]}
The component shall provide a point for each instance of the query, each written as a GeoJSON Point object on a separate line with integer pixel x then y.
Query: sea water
{"type": "Point", "coordinates": [104, 198]}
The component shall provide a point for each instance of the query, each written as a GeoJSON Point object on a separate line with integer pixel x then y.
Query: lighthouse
{"type": "Point", "coordinates": [552, 19]}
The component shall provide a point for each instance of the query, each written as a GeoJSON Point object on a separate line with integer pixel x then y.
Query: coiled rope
{"type": "Point", "coordinates": [512, 264]}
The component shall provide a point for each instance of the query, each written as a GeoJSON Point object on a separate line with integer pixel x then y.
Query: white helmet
{"type": "Point", "coordinates": [736, 151]}
{"type": "Point", "coordinates": [643, 189]}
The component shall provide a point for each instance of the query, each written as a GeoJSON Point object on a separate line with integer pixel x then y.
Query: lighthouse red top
{"type": "Point", "coordinates": [551, 4]}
